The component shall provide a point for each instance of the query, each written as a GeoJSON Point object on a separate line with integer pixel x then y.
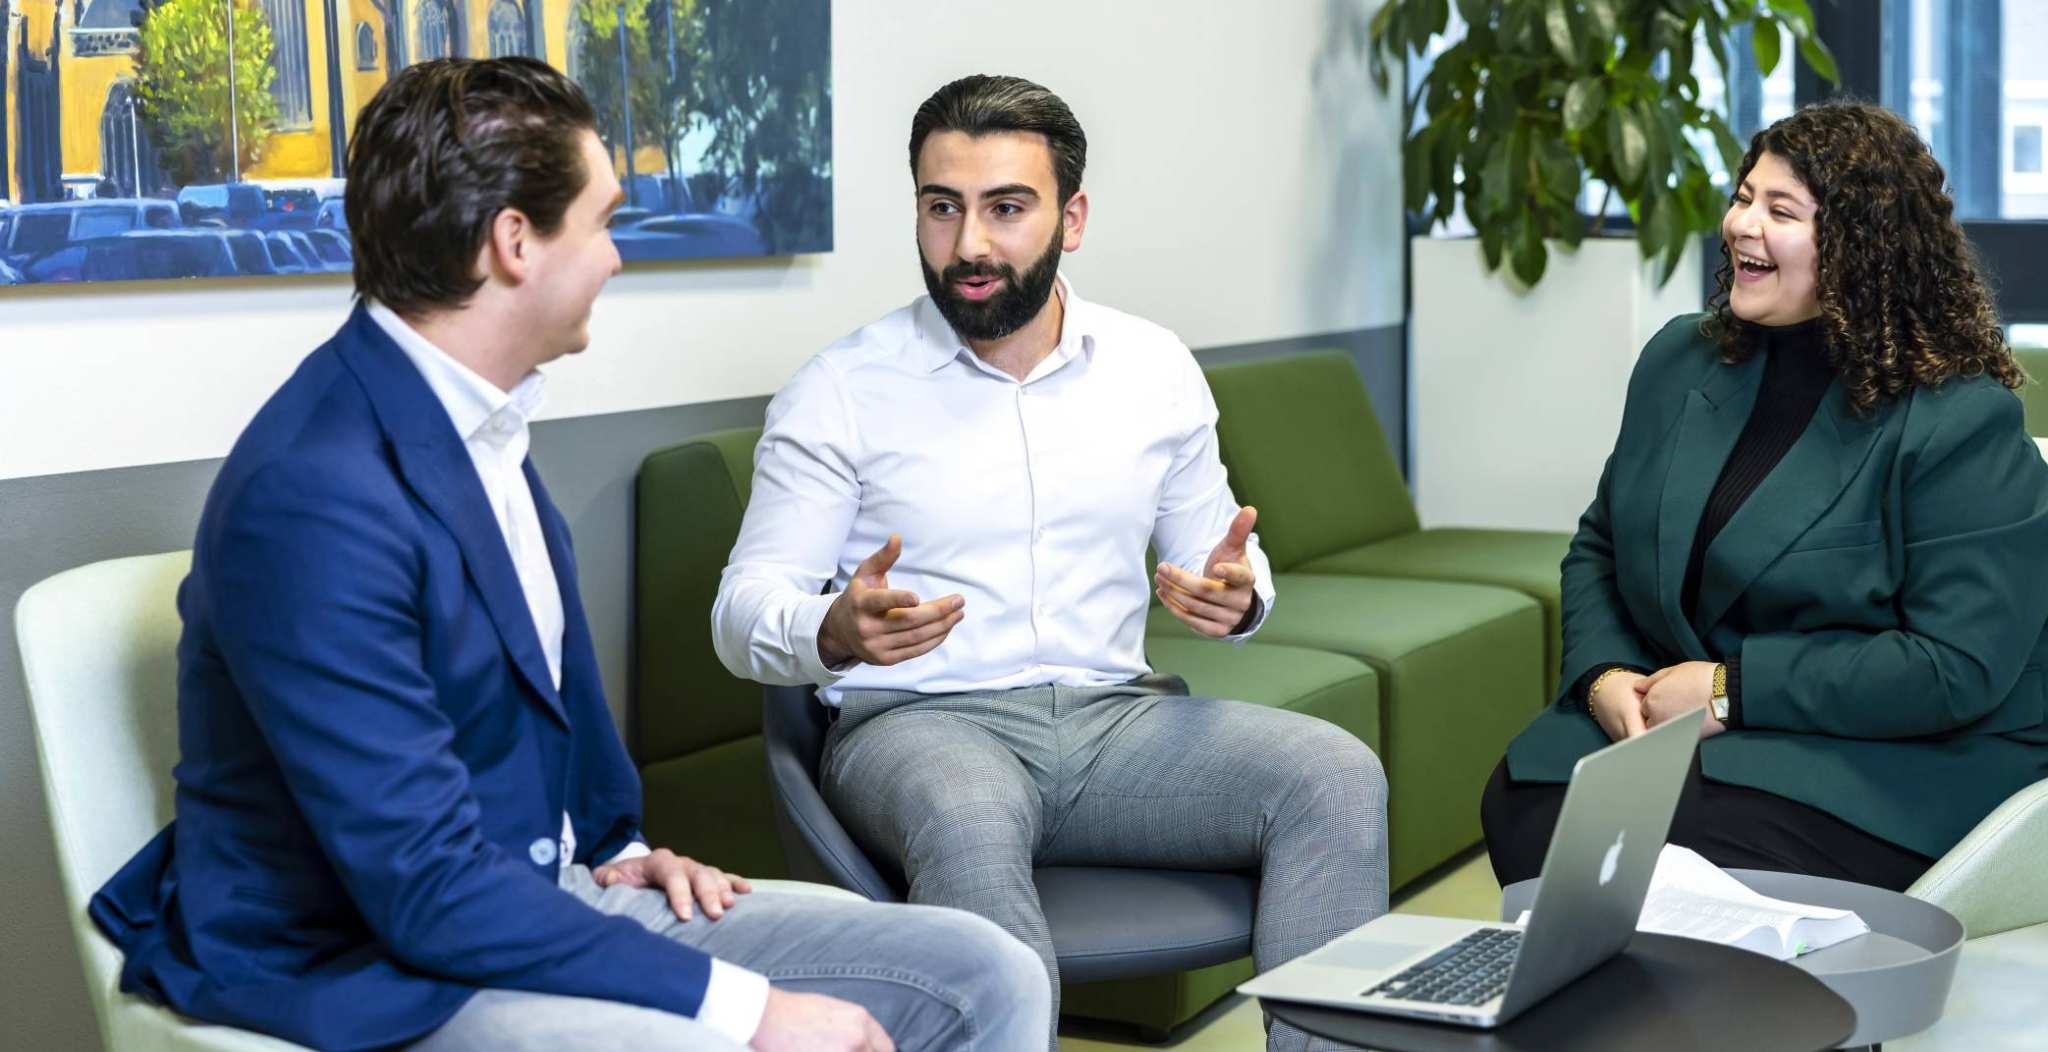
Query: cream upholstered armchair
{"type": "Point", "coordinates": [98, 651]}
{"type": "Point", "coordinates": [1994, 883]}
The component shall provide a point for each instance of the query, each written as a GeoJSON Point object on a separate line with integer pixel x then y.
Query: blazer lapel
{"type": "Point", "coordinates": [435, 464]}
{"type": "Point", "coordinates": [1803, 486]}
{"type": "Point", "coordinates": [1706, 434]}
{"type": "Point", "coordinates": [579, 657]}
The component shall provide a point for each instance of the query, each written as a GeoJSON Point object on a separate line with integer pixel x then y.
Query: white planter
{"type": "Point", "coordinates": [1516, 393]}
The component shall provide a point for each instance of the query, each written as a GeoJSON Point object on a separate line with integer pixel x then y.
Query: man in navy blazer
{"type": "Point", "coordinates": [404, 817]}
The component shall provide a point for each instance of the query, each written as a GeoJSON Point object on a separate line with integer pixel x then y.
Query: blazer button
{"type": "Point", "coordinates": [542, 851]}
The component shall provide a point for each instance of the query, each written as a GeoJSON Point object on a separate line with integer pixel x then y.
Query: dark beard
{"type": "Point", "coordinates": [1006, 311]}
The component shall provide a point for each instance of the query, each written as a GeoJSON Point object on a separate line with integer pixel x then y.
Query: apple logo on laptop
{"type": "Point", "coordinates": [1612, 858]}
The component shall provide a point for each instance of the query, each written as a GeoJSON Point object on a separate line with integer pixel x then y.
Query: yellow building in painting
{"type": "Point", "coordinates": [69, 65]}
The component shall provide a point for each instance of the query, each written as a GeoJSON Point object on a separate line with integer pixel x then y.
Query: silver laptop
{"type": "Point", "coordinates": [1616, 813]}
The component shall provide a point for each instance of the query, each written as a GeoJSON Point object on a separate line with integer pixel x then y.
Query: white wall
{"type": "Point", "coordinates": [1515, 393]}
{"type": "Point", "coordinates": [1244, 180]}
{"type": "Point", "coordinates": [1245, 185]}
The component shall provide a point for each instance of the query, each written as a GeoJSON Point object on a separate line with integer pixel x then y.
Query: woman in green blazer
{"type": "Point", "coordinates": [1823, 520]}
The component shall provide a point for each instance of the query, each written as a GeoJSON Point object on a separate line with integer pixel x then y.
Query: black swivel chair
{"type": "Point", "coordinates": [1107, 923]}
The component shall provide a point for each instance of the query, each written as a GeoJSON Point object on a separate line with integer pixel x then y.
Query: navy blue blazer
{"type": "Point", "coordinates": [374, 761]}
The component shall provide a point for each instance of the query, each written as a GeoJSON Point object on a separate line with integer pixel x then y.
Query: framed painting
{"type": "Point", "coordinates": [206, 138]}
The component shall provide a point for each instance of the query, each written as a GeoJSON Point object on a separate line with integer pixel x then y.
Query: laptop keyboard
{"type": "Point", "coordinates": [1471, 971]}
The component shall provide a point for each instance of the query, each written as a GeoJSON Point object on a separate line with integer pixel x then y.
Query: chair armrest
{"type": "Point", "coordinates": [814, 844]}
{"type": "Point", "coordinates": [1992, 880]}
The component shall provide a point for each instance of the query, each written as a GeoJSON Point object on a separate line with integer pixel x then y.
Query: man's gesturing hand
{"type": "Point", "coordinates": [880, 625]}
{"type": "Point", "coordinates": [684, 879]}
{"type": "Point", "coordinates": [795, 1022]}
{"type": "Point", "coordinates": [1214, 603]}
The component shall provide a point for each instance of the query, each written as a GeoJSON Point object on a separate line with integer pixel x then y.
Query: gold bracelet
{"type": "Point", "coordinates": [1595, 687]}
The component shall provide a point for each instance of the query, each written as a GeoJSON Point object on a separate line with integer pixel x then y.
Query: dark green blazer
{"type": "Point", "coordinates": [1885, 586]}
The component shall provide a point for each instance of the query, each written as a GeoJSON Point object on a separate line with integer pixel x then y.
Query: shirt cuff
{"type": "Point", "coordinates": [636, 849]}
{"type": "Point", "coordinates": [1253, 618]}
{"type": "Point", "coordinates": [804, 627]}
{"type": "Point", "coordinates": [734, 1001]}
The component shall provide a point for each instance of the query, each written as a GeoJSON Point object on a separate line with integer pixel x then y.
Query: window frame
{"type": "Point", "coordinates": [2015, 251]}
{"type": "Point", "coordinates": [291, 82]}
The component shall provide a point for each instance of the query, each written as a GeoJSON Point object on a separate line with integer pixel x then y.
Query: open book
{"type": "Point", "coordinates": [1691, 897]}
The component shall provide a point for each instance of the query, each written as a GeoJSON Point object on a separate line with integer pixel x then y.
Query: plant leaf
{"type": "Point", "coordinates": [1820, 58]}
{"type": "Point", "coordinates": [1583, 103]}
{"type": "Point", "coordinates": [1493, 184]}
{"type": "Point", "coordinates": [1559, 166]}
{"type": "Point", "coordinates": [1571, 226]}
{"type": "Point", "coordinates": [1476, 13]}
{"type": "Point", "coordinates": [1529, 256]}
{"type": "Point", "coordinates": [1765, 37]}
{"type": "Point", "coordinates": [1490, 238]}
{"type": "Point", "coordinates": [1629, 146]}
{"type": "Point", "coordinates": [1731, 150]}
{"type": "Point", "coordinates": [1557, 24]}
{"type": "Point", "coordinates": [1600, 15]}
{"type": "Point", "coordinates": [1415, 157]}
{"type": "Point", "coordinates": [1382, 23]}
{"type": "Point", "coordinates": [1797, 16]}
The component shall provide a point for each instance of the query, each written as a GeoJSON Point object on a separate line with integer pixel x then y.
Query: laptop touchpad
{"type": "Point", "coordinates": [1366, 954]}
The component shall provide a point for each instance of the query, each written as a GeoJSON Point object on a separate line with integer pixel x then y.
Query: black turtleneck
{"type": "Point", "coordinates": [1796, 377]}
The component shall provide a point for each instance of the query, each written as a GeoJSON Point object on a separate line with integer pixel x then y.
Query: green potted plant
{"type": "Point", "coordinates": [1538, 96]}
{"type": "Point", "coordinates": [1517, 387]}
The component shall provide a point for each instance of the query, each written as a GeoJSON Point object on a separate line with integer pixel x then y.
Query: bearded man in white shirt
{"type": "Point", "coordinates": [977, 476]}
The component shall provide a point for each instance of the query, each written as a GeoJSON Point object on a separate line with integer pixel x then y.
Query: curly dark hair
{"type": "Point", "coordinates": [1903, 303]}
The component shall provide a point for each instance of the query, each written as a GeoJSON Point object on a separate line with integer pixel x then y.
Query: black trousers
{"type": "Point", "coordinates": [1733, 826]}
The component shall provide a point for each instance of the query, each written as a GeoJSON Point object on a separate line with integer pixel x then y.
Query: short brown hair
{"type": "Point", "coordinates": [982, 105]}
{"type": "Point", "coordinates": [439, 151]}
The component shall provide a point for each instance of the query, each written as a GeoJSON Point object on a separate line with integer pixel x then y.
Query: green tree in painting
{"type": "Point", "coordinates": [181, 81]}
{"type": "Point", "coordinates": [661, 46]}
{"type": "Point", "coordinates": [767, 93]}
{"type": "Point", "coordinates": [754, 72]}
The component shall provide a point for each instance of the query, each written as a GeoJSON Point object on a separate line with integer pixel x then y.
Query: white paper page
{"type": "Point", "coordinates": [1693, 898]}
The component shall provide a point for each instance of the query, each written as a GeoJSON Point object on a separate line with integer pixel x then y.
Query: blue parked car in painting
{"type": "Point", "coordinates": [34, 230]}
{"type": "Point", "coordinates": [139, 254]}
{"type": "Point", "coordinates": [694, 236]}
{"type": "Point", "coordinates": [223, 204]}
{"type": "Point", "coordinates": [284, 255]}
{"type": "Point", "coordinates": [325, 250]}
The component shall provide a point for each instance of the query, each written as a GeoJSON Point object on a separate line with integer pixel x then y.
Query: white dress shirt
{"type": "Point", "coordinates": [1032, 500]}
{"type": "Point", "coordinates": [494, 429]}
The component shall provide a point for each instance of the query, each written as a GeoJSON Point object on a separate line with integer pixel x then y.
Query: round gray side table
{"type": "Point", "coordinates": [1897, 977]}
{"type": "Point", "coordinates": [1661, 992]}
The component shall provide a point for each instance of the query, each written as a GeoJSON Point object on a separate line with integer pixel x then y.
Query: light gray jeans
{"type": "Point", "coordinates": [969, 792]}
{"type": "Point", "coordinates": [933, 978]}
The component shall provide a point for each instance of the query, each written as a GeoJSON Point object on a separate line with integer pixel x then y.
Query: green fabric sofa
{"type": "Point", "coordinates": [696, 729]}
{"type": "Point", "coordinates": [1303, 445]}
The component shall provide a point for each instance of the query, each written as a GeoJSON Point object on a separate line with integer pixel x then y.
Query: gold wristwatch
{"type": "Point", "coordinates": [1719, 701]}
